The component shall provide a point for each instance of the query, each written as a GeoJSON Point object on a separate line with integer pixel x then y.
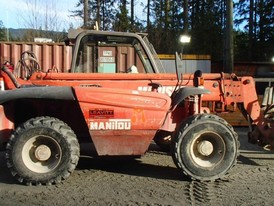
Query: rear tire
{"type": "Point", "coordinates": [205, 147]}
{"type": "Point", "coordinates": [43, 150]}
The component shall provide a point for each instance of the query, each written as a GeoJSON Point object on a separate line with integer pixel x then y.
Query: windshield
{"type": "Point", "coordinates": [155, 56]}
{"type": "Point", "coordinates": [105, 53]}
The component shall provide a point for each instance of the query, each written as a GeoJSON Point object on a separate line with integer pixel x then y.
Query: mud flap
{"type": "Point", "coordinates": [184, 92]}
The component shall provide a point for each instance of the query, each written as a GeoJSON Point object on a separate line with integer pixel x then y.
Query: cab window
{"type": "Point", "coordinates": [111, 54]}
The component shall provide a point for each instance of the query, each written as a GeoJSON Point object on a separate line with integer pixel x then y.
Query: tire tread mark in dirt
{"type": "Point", "coordinates": [205, 192]}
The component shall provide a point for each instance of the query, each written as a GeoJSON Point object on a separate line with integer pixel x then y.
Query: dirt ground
{"type": "Point", "coordinates": [149, 180]}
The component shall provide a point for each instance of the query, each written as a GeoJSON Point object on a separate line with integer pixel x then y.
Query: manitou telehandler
{"type": "Point", "coordinates": [118, 97]}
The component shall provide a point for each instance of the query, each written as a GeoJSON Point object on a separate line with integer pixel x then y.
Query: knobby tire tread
{"type": "Point", "coordinates": [187, 123]}
{"type": "Point", "coordinates": [58, 126]}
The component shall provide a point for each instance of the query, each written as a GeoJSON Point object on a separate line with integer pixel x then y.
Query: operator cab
{"type": "Point", "coordinates": [113, 52]}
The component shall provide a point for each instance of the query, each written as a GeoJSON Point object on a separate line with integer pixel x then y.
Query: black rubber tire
{"type": "Point", "coordinates": [43, 150]}
{"type": "Point", "coordinates": [213, 163]}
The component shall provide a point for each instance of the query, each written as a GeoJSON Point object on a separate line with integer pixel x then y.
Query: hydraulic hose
{"type": "Point", "coordinates": [11, 76]}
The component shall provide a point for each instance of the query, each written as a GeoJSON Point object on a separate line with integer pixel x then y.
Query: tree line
{"type": "Point", "coordinates": [204, 20]}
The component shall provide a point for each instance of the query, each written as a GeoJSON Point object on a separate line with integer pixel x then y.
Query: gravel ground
{"type": "Point", "coordinates": [149, 180]}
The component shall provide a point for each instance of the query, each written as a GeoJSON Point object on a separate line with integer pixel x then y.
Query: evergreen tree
{"type": "Point", "coordinates": [2, 32]}
{"type": "Point", "coordinates": [256, 17]}
{"type": "Point", "coordinates": [100, 11]}
{"type": "Point", "coordinates": [207, 27]}
{"type": "Point", "coordinates": [122, 22]}
{"type": "Point", "coordinates": [203, 20]}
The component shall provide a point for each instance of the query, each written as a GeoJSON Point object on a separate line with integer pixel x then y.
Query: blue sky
{"type": "Point", "coordinates": [15, 12]}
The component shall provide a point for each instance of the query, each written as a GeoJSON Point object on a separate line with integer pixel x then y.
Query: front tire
{"type": "Point", "coordinates": [205, 147]}
{"type": "Point", "coordinates": [43, 150]}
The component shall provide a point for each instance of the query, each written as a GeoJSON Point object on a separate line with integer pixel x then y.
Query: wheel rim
{"type": "Point", "coordinates": [207, 150]}
{"type": "Point", "coordinates": [41, 154]}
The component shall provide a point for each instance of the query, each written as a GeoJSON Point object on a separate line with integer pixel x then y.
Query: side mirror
{"type": "Point", "coordinates": [178, 62]}
{"type": "Point", "coordinates": [178, 65]}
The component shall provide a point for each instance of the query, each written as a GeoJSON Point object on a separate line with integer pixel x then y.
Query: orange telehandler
{"type": "Point", "coordinates": [118, 97]}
